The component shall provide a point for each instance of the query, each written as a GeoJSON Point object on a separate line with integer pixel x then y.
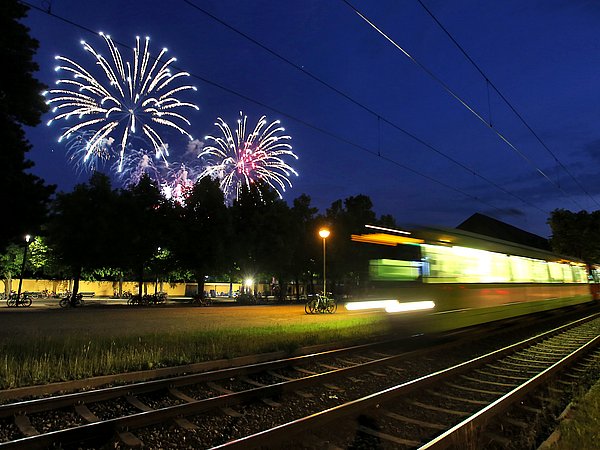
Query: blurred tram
{"type": "Point", "coordinates": [466, 277]}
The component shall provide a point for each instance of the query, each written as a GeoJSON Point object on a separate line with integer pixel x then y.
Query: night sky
{"type": "Point", "coordinates": [543, 56]}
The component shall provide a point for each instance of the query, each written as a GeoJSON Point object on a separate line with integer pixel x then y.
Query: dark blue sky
{"type": "Point", "coordinates": [542, 55]}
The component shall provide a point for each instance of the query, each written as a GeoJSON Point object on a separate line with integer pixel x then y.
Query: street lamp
{"type": "Point", "coordinates": [324, 233]}
{"type": "Point", "coordinates": [27, 238]}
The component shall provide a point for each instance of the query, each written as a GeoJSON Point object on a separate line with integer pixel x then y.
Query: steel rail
{"type": "Point", "coordinates": [480, 418]}
{"type": "Point", "coordinates": [351, 410]}
{"type": "Point", "coordinates": [146, 418]}
{"type": "Point", "coordinates": [109, 393]}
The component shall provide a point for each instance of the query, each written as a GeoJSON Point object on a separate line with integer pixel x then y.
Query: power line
{"type": "Point", "coordinates": [301, 121]}
{"type": "Point", "coordinates": [456, 97]}
{"type": "Point", "coordinates": [513, 109]}
{"type": "Point", "coordinates": [359, 104]}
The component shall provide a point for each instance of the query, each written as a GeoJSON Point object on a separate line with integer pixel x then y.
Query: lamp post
{"type": "Point", "coordinates": [27, 238]}
{"type": "Point", "coordinates": [324, 233]}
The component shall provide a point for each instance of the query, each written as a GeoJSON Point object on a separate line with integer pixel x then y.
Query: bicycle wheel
{"type": "Point", "coordinates": [331, 306]}
{"type": "Point", "coordinates": [11, 302]}
{"type": "Point", "coordinates": [26, 301]}
{"type": "Point", "coordinates": [64, 302]}
{"type": "Point", "coordinates": [309, 307]}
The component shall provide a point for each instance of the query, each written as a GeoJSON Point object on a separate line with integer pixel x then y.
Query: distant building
{"type": "Point", "coordinates": [482, 224]}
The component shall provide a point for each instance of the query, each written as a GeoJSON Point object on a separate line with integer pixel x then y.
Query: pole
{"type": "Point", "coordinates": [23, 267]}
{"type": "Point", "coordinates": [324, 275]}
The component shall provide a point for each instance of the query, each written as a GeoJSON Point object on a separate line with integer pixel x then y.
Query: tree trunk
{"type": "Point", "coordinates": [76, 278]}
{"type": "Point", "coordinates": [297, 289]}
{"type": "Point", "coordinates": [200, 281]}
{"type": "Point", "coordinates": [141, 283]}
{"type": "Point", "coordinates": [7, 283]}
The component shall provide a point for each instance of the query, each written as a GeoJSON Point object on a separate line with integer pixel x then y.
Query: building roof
{"type": "Point", "coordinates": [488, 226]}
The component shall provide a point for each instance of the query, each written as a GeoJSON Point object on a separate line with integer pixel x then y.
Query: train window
{"type": "Point", "coordinates": [394, 270]}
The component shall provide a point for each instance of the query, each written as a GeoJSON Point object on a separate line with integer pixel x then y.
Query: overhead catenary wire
{"type": "Point", "coordinates": [292, 117]}
{"type": "Point", "coordinates": [379, 117]}
{"type": "Point", "coordinates": [453, 94]}
{"type": "Point", "coordinates": [506, 101]}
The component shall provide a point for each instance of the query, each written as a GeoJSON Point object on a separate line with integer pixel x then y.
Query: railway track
{"type": "Point", "coordinates": [446, 408]}
{"type": "Point", "coordinates": [251, 406]}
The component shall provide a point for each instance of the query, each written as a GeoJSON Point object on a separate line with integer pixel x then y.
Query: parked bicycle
{"type": "Point", "coordinates": [200, 300]}
{"type": "Point", "coordinates": [320, 304]}
{"type": "Point", "coordinates": [13, 300]}
{"type": "Point", "coordinates": [70, 301]}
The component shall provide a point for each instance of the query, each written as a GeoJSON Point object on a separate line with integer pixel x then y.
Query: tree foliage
{"type": "Point", "coordinates": [201, 231]}
{"type": "Point", "coordinates": [21, 104]}
{"type": "Point", "coordinates": [576, 234]}
{"type": "Point", "coordinates": [81, 229]}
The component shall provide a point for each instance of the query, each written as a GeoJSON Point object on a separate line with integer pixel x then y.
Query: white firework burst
{"type": "Point", "coordinates": [133, 96]}
{"type": "Point", "coordinates": [244, 159]}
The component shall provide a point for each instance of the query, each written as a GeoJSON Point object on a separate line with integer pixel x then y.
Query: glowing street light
{"type": "Point", "coordinates": [324, 233]}
{"type": "Point", "coordinates": [27, 239]}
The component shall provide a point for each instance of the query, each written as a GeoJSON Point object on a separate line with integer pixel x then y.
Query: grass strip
{"type": "Point", "coordinates": [60, 357]}
{"type": "Point", "coordinates": [581, 430]}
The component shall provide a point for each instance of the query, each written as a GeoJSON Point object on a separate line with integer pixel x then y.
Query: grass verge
{"type": "Point", "coordinates": [581, 430]}
{"type": "Point", "coordinates": [60, 357]}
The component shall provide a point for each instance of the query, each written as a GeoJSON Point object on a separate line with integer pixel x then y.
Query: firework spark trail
{"type": "Point", "coordinates": [136, 164]}
{"type": "Point", "coordinates": [134, 96]}
{"type": "Point", "coordinates": [242, 160]}
{"type": "Point", "coordinates": [178, 183]}
{"type": "Point", "coordinates": [84, 160]}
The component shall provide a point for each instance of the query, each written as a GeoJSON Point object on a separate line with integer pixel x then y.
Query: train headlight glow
{"type": "Point", "coordinates": [390, 306]}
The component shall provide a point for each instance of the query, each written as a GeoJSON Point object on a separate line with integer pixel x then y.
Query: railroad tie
{"type": "Point", "coordinates": [434, 426]}
{"type": "Point", "coordinates": [218, 388]}
{"type": "Point", "coordinates": [459, 399]}
{"type": "Point", "coordinates": [137, 403]}
{"type": "Point", "coordinates": [333, 387]}
{"type": "Point", "coordinates": [493, 383]}
{"type": "Point", "coordinates": [303, 394]}
{"type": "Point", "coordinates": [305, 371]}
{"type": "Point", "coordinates": [345, 361]}
{"type": "Point", "coordinates": [182, 422]}
{"type": "Point", "coordinates": [470, 389]}
{"type": "Point", "coordinates": [355, 380]}
{"type": "Point", "coordinates": [85, 413]}
{"type": "Point", "coordinates": [328, 367]}
{"type": "Point", "coordinates": [438, 409]}
{"type": "Point", "coordinates": [387, 437]}
{"type": "Point", "coordinates": [130, 439]}
{"type": "Point", "coordinates": [181, 396]}
{"type": "Point", "coordinates": [279, 376]}
{"type": "Point", "coordinates": [382, 355]}
{"type": "Point", "coordinates": [377, 374]}
{"type": "Point", "coordinates": [24, 425]}
{"type": "Point", "coordinates": [231, 412]}
{"type": "Point", "coordinates": [510, 377]}
{"type": "Point", "coordinates": [252, 382]}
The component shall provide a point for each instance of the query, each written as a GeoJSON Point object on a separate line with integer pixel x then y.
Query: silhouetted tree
{"type": "Point", "coordinates": [201, 233]}
{"type": "Point", "coordinates": [142, 220]}
{"type": "Point", "coordinates": [82, 230]}
{"type": "Point", "coordinates": [304, 246]}
{"type": "Point", "coordinates": [23, 196]}
{"type": "Point", "coordinates": [576, 234]}
{"type": "Point", "coordinates": [263, 233]}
